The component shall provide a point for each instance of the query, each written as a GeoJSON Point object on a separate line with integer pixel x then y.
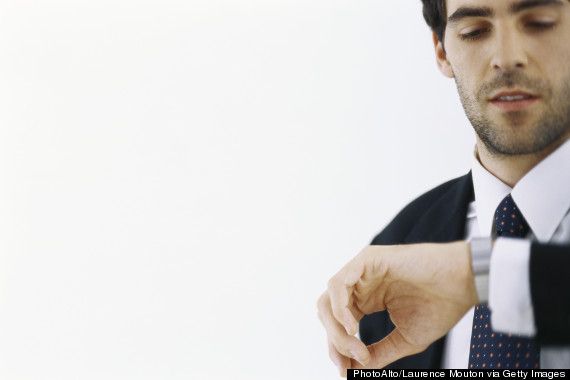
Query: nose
{"type": "Point", "coordinates": [509, 53]}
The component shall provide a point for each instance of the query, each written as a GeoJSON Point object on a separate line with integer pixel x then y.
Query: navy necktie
{"type": "Point", "coordinates": [490, 349]}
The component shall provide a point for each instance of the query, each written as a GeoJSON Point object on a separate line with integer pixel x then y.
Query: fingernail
{"type": "Point", "coordinates": [356, 356]}
{"type": "Point", "coordinates": [361, 359]}
{"type": "Point", "coordinates": [349, 327]}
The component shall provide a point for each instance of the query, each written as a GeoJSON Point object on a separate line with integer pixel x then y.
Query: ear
{"type": "Point", "coordinates": [441, 57]}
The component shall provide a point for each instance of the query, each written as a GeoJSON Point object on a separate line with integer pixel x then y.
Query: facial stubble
{"type": "Point", "coordinates": [511, 139]}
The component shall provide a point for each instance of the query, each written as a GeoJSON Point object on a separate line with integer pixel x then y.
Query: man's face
{"type": "Point", "coordinates": [511, 63]}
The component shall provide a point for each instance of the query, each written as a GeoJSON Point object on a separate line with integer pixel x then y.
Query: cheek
{"type": "Point", "coordinates": [549, 65]}
{"type": "Point", "coordinates": [552, 59]}
{"type": "Point", "coordinates": [469, 69]}
{"type": "Point", "coordinates": [466, 88]}
{"type": "Point", "coordinates": [469, 58]}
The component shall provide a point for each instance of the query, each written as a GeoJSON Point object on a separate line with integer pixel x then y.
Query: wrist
{"type": "Point", "coordinates": [463, 272]}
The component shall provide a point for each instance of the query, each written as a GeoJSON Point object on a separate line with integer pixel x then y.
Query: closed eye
{"type": "Point", "coordinates": [474, 35]}
{"type": "Point", "coordinates": [540, 25]}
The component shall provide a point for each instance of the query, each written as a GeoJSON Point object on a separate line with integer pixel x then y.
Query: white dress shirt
{"type": "Point", "coordinates": [543, 197]}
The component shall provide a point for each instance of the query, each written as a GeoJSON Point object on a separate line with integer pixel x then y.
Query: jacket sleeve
{"type": "Point", "coordinates": [550, 292]}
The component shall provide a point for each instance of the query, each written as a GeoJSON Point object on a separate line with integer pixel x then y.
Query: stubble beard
{"type": "Point", "coordinates": [501, 140]}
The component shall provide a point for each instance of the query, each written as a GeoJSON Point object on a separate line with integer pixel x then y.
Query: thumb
{"type": "Point", "coordinates": [393, 347]}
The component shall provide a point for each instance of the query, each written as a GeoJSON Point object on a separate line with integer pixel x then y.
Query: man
{"type": "Point", "coordinates": [500, 234]}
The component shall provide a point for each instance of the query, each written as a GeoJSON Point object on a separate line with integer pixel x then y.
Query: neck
{"type": "Point", "coordinates": [510, 169]}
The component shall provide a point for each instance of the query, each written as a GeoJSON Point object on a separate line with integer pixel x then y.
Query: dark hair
{"type": "Point", "coordinates": [436, 16]}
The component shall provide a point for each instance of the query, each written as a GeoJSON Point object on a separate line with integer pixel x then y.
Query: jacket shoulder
{"type": "Point", "coordinates": [397, 230]}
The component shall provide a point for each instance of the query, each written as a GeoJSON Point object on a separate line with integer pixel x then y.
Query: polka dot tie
{"type": "Point", "coordinates": [490, 349]}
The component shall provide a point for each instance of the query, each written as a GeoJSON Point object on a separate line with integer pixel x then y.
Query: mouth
{"type": "Point", "coordinates": [516, 100]}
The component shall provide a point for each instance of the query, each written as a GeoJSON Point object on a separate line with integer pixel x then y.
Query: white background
{"type": "Point", "coordinates": [179, 179]}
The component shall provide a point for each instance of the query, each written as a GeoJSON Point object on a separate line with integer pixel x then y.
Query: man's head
{"type": "Point", "coordinates": [510, 60]}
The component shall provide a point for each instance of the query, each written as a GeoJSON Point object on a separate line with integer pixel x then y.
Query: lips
{"type": "Point", "coordinates": [514, 100]}
{"type": "Point", "coordinates": [510, 96]}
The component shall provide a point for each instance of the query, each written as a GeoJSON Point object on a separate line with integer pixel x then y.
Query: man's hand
{"type": "Point", "coordinates": [426, 289]}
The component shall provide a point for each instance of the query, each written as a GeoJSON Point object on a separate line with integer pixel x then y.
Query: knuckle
{"type": "Point", "coordinates": [321, 302]}
{"type": "Point", "coordinates": [321, 315]}
{"type": "Point", "coordinates": [318, 304]}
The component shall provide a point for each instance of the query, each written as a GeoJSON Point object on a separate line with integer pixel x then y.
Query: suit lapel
{"type": "Point", "coordinates": [445, 219]}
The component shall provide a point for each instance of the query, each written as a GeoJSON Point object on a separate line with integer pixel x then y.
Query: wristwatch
{"type": "Point", "coordinates": [481, 249]}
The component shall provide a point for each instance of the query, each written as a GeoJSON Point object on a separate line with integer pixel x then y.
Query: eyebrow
{"type": "Point", "coordinates": [464, 12]}
{"type": "Point", "coordinates": [519, 6]}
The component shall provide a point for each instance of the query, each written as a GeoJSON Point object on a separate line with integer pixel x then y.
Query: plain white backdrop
{"type": "Point", "coordinates": [179, 179]}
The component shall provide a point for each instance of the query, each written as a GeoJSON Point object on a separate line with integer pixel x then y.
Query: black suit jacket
{"type": "Point", "coordinates": [439, 216]}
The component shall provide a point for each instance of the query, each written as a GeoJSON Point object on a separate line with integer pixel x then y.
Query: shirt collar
{"type": "Point", "coordinates": [549, 182]}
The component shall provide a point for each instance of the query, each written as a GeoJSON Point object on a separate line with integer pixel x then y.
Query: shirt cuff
{"type": "Point", "coordinates": [509, 287]}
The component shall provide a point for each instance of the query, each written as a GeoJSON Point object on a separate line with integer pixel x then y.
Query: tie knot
{"type": "Point", "coordinates": [509, 221]}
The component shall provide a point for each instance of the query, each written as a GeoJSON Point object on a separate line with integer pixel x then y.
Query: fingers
{"type": "Point", "coordinates": [393, 347]}
{"type": "Point", "coordinates": [342, 362]}
{"type": "Point", "coordinates": [340, 289]}
{"type": "Point", "coordinates": [339, 299]}
{"type": "Point", "coordinates": [346, 345]}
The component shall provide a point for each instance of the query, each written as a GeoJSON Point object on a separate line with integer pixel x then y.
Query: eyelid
{"type": "Point", "coordinates": [541, 17]}
{"type": "Point", "coordinates": [474, 34]}
{"type": "Point", "coordinates": [540, 24]}
{"type": "Point", "coordinates": [468, 30]}
{"type": "Point", "coordinates": [543, 20]}
{"type": "Point", "coordinates": [471, 28]}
